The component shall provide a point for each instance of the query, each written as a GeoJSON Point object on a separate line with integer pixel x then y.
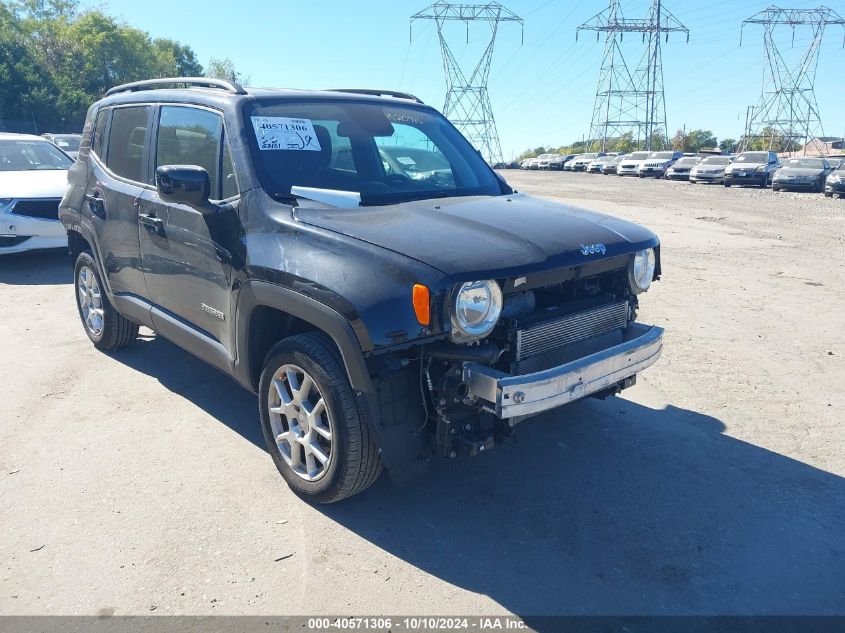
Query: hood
{"type": "Point", "coordinates": [38, 183]}
{"type": "Point", "coordinates": [485, 237]}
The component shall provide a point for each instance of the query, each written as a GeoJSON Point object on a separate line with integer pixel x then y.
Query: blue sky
{"type": "Point", "coordinates": [542, 90]}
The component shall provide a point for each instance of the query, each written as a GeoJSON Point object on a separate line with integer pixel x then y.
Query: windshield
{"type": "Point", "coordinates": [387, 153]}
{"type": "Point", "coordinates": [753, 157]}
{"type": "Point", "coordinates": [588, 156]}
{"type": "Point", "coordinates": [619, 159]}
{"type": "Point", "coordinates": [638, 156]}
{"type": "Point", "coordinates": [26, 155]}
{"type": "Point", "coordinates": [806, 163]}
{"type": "Point", "coordinates": [690, 160]}
{"type": "Point", "coordinates": [663, 155]}
{"type": "Point", "coordinates": [67, 143]}
{"type": "Point", "coordinates": [716, 160]}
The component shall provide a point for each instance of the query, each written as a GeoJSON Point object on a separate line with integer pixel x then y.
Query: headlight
{"type": "Point", "coordinates": [476, 309]}
{"type": "Point", "coordinates": [641, 270]}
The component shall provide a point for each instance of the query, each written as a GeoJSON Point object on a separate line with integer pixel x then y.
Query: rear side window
{"type": "Point", "coordinates": [192, 136]}
{"type": "Point", "coordinates": [127, 137]}
{"type": "Point", "coordinates": [97, 143]}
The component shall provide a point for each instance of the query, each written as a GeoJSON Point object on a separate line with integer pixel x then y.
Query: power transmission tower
{"type": "Point", "coordinates": [467, 100]}
{"type": "Point", "coordinates": [631, 102]}
{"type": "Point", "coordinates": [787, 115]}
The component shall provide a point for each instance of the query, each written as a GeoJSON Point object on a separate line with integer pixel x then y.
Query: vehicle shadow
{"type": "Point", "coordinates": [603, 507]}
{"type": "Point", "coordinates": [36, 268]}
{"type": "Point", "coordinates": [616, 508]}
{"type": "Point", "coordinates": [186, 375]}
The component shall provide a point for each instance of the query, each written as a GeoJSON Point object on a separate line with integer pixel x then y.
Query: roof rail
{"type": "Point", "coordinates": [378, 93]}
{"type": "Point", "coordinates": [204, 82]}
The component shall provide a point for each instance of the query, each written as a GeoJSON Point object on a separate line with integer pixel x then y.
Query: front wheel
{"type": "Point", "coordinates": [313, 429]}
{"type": "Point", "coordinates": [105, 326]}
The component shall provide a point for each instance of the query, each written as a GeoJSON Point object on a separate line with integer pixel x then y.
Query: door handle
{"type": "Point", "coordinates": [95, 203]}
{"type": "Point", "coordinates": [152, 223]}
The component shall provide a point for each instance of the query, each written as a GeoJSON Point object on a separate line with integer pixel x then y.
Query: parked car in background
{"type": "Point", "coordinates": [681, 169]}
{"type": "Point", "coordinates": [752, 168]}
{"type": "Point", "coordinates": [805, 173]}
{"type": "Point", "coordinates": [543, 163]}
{"type": "Point", "coordinates": [68, 143]}
{"type": "Point", "coordinates": [523, 164]}
{"type": "Point", "coordinates": [535, 162]}
{"type": "Point", "coordinates": [631, 165]}
{"type": "Point", "coordinates": [656, 164]}
{"type": "Point", "coordinates": [710, 170]}
{"type": "Point", "coordinates": [835, 183]}
{"type": "Point", "coordinates": [33, 179]}
{"type": "Point", "coordinates": [567, 164]}
{"type": "Point", "coordinates": [583, 160]}
{"type": "Point", "coordinates": [610, 166]}
{"type": "Point", "coordinates": [595, 167]}
{"type": "Point", "coordinates": [557, 162]}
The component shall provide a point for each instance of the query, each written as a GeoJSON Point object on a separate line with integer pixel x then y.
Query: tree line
{"type": "Point", "coordinates": [56, 60]}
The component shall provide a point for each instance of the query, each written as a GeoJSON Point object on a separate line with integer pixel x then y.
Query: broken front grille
{"type": "Point", "coordinates": [45, 209]}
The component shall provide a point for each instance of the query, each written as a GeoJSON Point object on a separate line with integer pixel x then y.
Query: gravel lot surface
{"type": "Point", "coordinates": [137, 482]}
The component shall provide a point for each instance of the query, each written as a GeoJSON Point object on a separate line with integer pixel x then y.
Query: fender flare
{"type": "Point", "coordinates": [256, 293]}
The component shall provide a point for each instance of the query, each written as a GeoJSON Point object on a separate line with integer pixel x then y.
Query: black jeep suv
{"type": "Point", "coordinates": [348, 256]}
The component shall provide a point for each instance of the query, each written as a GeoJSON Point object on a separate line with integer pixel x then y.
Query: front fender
{"type": "Point", "coordinates": [256, 293]}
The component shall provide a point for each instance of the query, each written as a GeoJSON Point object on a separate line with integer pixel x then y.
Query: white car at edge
{"type": "Point", "coordinates": [33, 179]}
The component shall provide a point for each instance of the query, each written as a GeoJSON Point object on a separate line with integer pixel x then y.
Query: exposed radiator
{"type": "Point", "coordinates": [540, 346]}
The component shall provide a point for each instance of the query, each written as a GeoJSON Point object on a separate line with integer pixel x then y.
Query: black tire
{"type": "Point", "coordinates": [828, 194]}
{"type": "Point", "coordinates": [727, 184]}
{"type": "Point", "coordinates": [117, 331]}
{"type": "Point", "coordinates": [355, 463]}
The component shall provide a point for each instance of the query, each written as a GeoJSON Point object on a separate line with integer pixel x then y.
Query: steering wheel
{"type": "Point", "coordinates": [397, 180]}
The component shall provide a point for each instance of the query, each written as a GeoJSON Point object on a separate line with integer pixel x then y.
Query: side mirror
{"type": "Point", "coordinates": [184, 184]}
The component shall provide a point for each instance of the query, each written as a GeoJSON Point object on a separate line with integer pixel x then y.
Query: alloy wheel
{"type": "Point", "coordinates": [90, 301]}
{"type": "Point", "coordinates": [300, 421]}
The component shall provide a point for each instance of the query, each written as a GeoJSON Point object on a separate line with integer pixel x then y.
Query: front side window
{"type": "Point", "coordinates": [27, 155]}
{"type": "Point", "coordinates": [387, 153]}
{"type": "Point", "coordinates": [193, 136]}
{"type": "Point", "coordinates": [127, 138]}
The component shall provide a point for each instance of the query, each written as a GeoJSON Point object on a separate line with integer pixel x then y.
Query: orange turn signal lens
{"type": "Point", "coordinates": [422, 304]}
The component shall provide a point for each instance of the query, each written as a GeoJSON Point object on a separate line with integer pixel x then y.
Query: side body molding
{"type": "Point", "coordinates": [260, 293]}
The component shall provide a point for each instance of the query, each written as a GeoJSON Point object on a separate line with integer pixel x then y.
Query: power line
{"type": "Point", "coordinates": [631, 102]}
{"type": "Point", "coordinates": [787, 113]}
{"type": "Point", "coordinates": [467, 99]}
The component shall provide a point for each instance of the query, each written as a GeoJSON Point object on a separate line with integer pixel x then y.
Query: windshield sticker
{"type": "Point", "coordinates": [406, 160]}
{"type": "Point", "coordinates": [285, 133]}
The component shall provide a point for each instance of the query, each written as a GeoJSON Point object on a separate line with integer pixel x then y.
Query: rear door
{"type": "Point", "coordinates": [116, 182]}
{"type": "Point", "coordinates": [187, 256]}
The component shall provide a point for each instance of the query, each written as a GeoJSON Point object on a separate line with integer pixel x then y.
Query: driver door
{"type": "Point", "coordinates": [187, 256]}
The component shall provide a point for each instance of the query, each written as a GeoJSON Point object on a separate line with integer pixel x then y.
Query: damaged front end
{"type": "Point", "coordinates": [554, 337]}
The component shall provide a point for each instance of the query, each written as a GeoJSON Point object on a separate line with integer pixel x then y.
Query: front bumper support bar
{"type": "Point", "coordinates": [513, 396]}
